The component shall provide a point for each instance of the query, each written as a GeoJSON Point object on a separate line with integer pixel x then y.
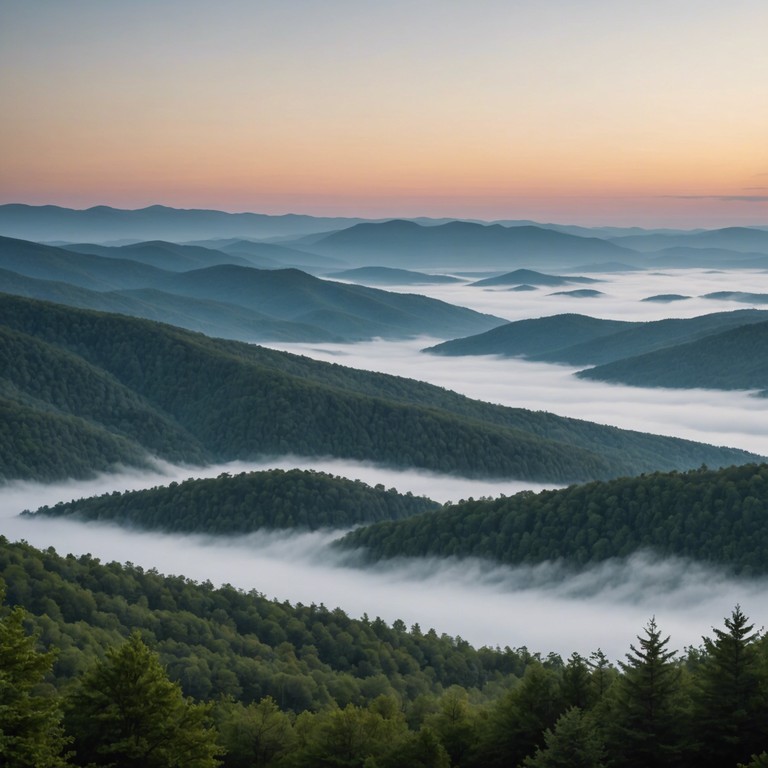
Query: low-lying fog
{"type": "Point", "coordinates": [542, 608]}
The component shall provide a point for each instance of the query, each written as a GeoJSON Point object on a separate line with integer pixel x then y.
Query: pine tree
{"type": "Point", "coordinates": [572, 743]}
{"type": "Point", "coordinates": [645, 732]}
{"type": "Point", "coordinates": [31, 735]}
{"type": "Point", "coordinates": [730, 705]}
{"type": "Point", "coordinates": [127, 712]}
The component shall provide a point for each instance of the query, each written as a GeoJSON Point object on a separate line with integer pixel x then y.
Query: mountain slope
{"type": "Point", "coordinates": [406, 244]}
{"type": "Point", "coordinates": [581, 340]}
{"type": "Point", "coordinates": [718, 517]}
{"type": "Point", "coordinates": [160, 254]}
{"type": "Point", "coordinates": [213, 318]}
{"type": "Point", "coordinates": [531, 277]}
{"type": "Point", "coordinates": [734, 359]}
{"type": "Point", "coordinates": [331, 309]}
{"type": "Point", "coordinates": [536, 337]}
{"type": "Point", "coordinates": [389, 276]}
{"type": "Point", "coordinates": [157, 222]}
{"type": "Point", "coordinates": [239, 401]}
{"type": "Point", "coordinates": [289, 294]}
{"type": "Point", "coordinates": [273, 499]}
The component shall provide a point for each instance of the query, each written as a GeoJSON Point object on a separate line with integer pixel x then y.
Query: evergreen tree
{"type": "Point", "coordinates": [31, 735]}
{"type": "Point", "coordinates": [646, 732]}
{"type": "Point", "coordinates": [729, 699]}
{"type": "Point", "coordinates": [573, 743]}
{"type": "Point", "coordinates": [126, 712]}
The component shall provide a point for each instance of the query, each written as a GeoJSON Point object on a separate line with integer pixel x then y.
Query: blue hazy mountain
{"type": "Point", "coordinates": [317, 309]}
{"type": "Point", "coordinates": [583, 340]}
{"type": "Point", "coordinates": [406, 244]}
{"type": "Point", "coordinates": [103, 224]}
{"type": "Point", "coordinates": [743, 239]}
{"type": "Point", "coordinates": [734, 359]}
{"type": "Point", "coordinates": [161, 254]}
{"type": "Point", "coordinates": [390, 276]}
{"type": "Point", "coordinates": [531, 277]}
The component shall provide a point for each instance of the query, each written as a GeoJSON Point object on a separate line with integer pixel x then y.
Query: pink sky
{"type": "Point", "coordinates": [600, 112]}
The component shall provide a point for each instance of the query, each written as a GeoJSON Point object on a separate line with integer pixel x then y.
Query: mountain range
{"type": "Point", "coordinates": [230, 300]}
{"type": "Point", "coordinates": [582, 340]}
{"type": "Point", "coordinates": [83, 391]}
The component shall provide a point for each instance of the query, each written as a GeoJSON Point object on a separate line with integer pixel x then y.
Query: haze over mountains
{"type": "Point", "coordinates": [723, 350]}
{"type": "Point", "coordinates": [229, 300]}
{"type": "Point", "coordinates": [129, 389]}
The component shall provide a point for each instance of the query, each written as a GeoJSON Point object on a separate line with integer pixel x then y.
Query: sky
{"type": "Point", "coordinates": [598, 112]}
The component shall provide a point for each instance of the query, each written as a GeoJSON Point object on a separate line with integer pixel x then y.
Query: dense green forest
{"type": "Point", "coordinates": [249, 501]}
{"type": "Point", "coordinates": [734, 359]}
{"type": "Point", "coordinates": [716, 517]}
{"type": "Point", "coordinates": [583, 340]}
{"type": "Point", "coordinates": [201, 399]}
{"type": "Point", "coordinates": [110, 665]}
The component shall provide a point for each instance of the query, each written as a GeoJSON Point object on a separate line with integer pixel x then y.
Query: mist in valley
{"type": "Point", "coordinates": [546, 607]}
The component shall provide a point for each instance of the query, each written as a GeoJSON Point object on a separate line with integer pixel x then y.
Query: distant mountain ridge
{"type": "Point", "coordinates": [156, 222]}
{"type": "Point", "coordinates": [400, 243]}
{"type": "Point", "coordinates": [227, 298]}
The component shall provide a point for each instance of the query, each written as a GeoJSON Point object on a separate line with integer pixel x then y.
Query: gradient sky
{"type": "Point", "coordinates": [593, 112]}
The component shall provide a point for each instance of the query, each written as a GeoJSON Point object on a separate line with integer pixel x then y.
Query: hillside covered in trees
{"type": "Point", "coordinates": [716, 517]}
{"type": "Point", "coordinates": [248, 501]}
{"type": "Point", "coordinates": [734, 359]}
{"type": "Point", "coordinates": [108, 665]}
{"type": "Point", "coordinates": [582, 340]}
{"type": "Point", "coordinates": [159, 390]}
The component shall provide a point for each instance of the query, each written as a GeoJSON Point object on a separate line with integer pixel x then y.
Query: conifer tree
{"type": "Point", "coordinates": [730, 703]}
{"type": "Point", "coordinates": [31, 735]}
{"type": "Point", "coordinates": [126, 712]}
{"type": "Point", "coordinates": [645, 732]}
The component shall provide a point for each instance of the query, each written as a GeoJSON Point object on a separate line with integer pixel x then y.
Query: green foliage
{"type": "Point", "coordinates": [730, 704]}
{"type": "Point", "coordinates": [645, 727]}
{"type": "Point", "coordinates": [31, 735]}
{"type": "Point", "coordinates": [126, 712]}
{"type": "Point", "coordinates": [572, 743]}
{"type": "Point", "coordinates": [734, 359]}
{"type": "Point", "coordinates": [713, 516]}
{"type": "Point", "coordinates": [196, 398]}
{"type": "Point", "coordinates": [227, 642]}
{"type": "Point", "coordinates": [247, 502]}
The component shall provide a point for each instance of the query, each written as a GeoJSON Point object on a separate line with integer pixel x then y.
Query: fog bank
{"type": "Point", "coordinates": [543, 607]}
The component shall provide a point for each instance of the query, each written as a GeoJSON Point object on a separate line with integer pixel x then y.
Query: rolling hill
{"type": "Point", "coordinates": [582, 340]}
{"type": "Point", "coordinates": [202, 399]}
{"type": "Point", "coordinates": [734, 359]}
{"type": "Point", "coordinates": [406, 244]}
{"type": "Point", "coordinates": [716, 517]}
{"type": "Point", "coordinates": [389, 276]}
{"type": "Point", "coordinates": [272, 499]}
{"type": "Point", "coordinates": [228, 299]}
{"type": "Point", "coordinates": [102, 224]}
{"type": "Point", "coordinates": [531, 277]}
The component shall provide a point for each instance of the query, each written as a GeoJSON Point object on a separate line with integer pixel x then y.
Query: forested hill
{"type": "Point", "coordinates": [226, 642]}
{"type": "Point", "coordinates": [717, 517]}
{"type": "Point", "coordinates": [734, 359]}
{"type": "Point", "coordinates": [273, 684]}
{"type": "Point", "coordinates": [583, 340]}
{"type": "Point", "coordinates": [237, 401]}
{"type": "Point", "coordinates": [248, 501]}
